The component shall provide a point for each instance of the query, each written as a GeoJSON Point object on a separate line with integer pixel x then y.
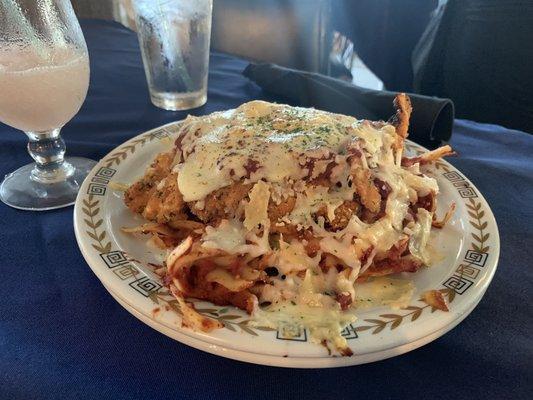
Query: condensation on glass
{"type": "Point", "coordinates": [174, 36]}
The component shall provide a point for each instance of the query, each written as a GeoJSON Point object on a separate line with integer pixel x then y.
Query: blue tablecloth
{"type": "Point", "coordinates": [63, 336]}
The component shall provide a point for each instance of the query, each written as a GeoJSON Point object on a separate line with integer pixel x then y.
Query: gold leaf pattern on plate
{"type": "Point", "coordinates": [395, 320]}
{"type": "Point", "coordinates": [480, 237]}
{"type": "Point", "coordinates": [91, 210]}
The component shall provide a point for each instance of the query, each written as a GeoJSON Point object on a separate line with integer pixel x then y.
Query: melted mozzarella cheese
{"type": "Point", "coordinates": [293, 257]}
{"type": "Point", "coordinates": [324, 324]}
{"type": "Point", "coordinates": [315, 198]}
{"type": "Point", "coordinates": [310, 308]}
{"type": "Point", "coordinates": [231, 236]}
{"type": "Point", "coordinates": [381, 234]}
{"type": "Point", "coordinates": [261, 140]}
{"type": "Point", "coordinates": [342, 249]}
{"type": "Point", "coordinates": [420, 235]}
{"type": "Point", "coordinates": [383, 291]}
{"type": "Point", "coordinates": [228, 236]}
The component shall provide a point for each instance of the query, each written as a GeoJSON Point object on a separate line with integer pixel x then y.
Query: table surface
{"type": "Point", "coordinates": [63, 336]}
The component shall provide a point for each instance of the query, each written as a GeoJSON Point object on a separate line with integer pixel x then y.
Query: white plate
{"type": "Point", "coordinates": [469, 245]}
{"type": "Point", "coordinates": [288, 362]}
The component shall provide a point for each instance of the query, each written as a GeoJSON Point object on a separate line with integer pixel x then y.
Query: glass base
{"type": "Point", "coordinates": [174, 101]}
{"type": "Point", "coordinates": [21, 190]}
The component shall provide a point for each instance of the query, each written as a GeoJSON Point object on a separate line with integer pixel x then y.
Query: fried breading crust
{"type": "Point", "coordinates": [138, 194]}
{"type": "Point", "coordinates": [159, 199]}
{"type": "Point", "coordinates": [400, 120]}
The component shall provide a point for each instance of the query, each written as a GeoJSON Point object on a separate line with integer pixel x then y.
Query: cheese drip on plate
{"type": "Point", "coordinates": [327, 322]}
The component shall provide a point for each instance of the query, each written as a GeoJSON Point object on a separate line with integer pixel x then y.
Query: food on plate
{"type": "Point", "coordinates": [295, 215]}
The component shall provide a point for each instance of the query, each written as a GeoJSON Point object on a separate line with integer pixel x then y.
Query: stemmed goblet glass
{"type": "Point", "coordinates": [44, 76]}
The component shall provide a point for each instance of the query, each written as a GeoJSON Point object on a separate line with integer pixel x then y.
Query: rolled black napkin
{"type": "Point", "coordinates": [431, 121]}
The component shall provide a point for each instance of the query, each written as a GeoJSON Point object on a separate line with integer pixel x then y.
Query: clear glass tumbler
{"type": "Point", "coordinates": [44, 76]}
{"type": "Point", "coordinates": [174, 36]}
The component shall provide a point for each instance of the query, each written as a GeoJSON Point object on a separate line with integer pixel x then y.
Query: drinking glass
{"type": "Point", "coordinates": [174, 36]}
{"type": "Point", "coordinates": [44, 76]}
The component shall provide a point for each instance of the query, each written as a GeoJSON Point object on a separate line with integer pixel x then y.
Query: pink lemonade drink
{"type": "Point", "coordinates": [41, 92]}
{"type": "Point", "coordinates": [44, 77]}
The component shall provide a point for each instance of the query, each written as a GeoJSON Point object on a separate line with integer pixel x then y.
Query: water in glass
{"type": "Point", "coordinates": [174, 36]}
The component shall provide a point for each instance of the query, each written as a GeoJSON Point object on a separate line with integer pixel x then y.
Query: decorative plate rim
{"type": "Point", "coordinates": [290, 362]}
{"type": "Point", "coordinates": [88, 220]}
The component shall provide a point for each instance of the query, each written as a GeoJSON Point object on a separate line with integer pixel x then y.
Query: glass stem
{"type": "Point", "coordinates": [48, 150]}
